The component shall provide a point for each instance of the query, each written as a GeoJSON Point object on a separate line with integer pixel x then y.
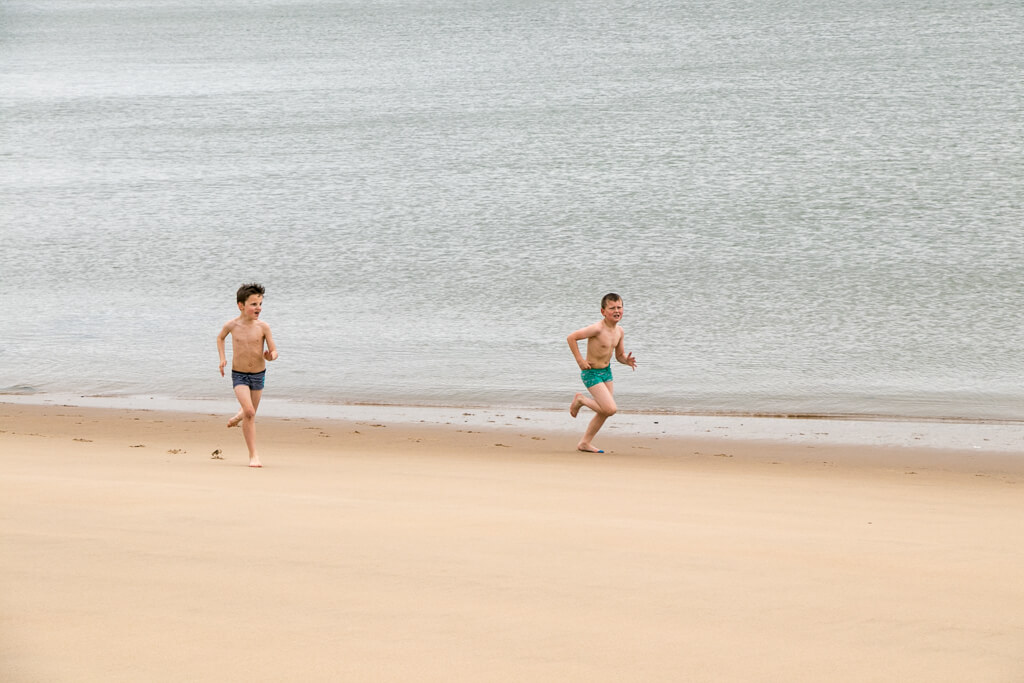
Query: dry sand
{"type": "Point", "coordinates": [388, 552]}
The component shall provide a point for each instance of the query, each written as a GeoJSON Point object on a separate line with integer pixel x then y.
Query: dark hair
{"type": "Point", "coordinates": [610, 296]}
{"type": "Point", "coordinates": [247, 290]}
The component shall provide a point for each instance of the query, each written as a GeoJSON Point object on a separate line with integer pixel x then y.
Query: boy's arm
{"type": "Point", "coordinates": [271, 352]}
{"type": "Point", "coordinates": [574, 339]}
{"type": "Point", "coordinates": [225, 331]}
{"type": "Point", "coordinates": [620, 353]}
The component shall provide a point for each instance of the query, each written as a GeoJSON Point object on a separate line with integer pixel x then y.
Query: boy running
{"type": "Point", "coordinates": [604, 338]}
{"type": "Point", "coordinates": [248, 366]}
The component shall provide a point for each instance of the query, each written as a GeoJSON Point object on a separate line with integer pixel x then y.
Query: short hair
{"type": "Point", "coordinates": [247, 290]}
{"type": "Point", "coordinates": [609, 297]}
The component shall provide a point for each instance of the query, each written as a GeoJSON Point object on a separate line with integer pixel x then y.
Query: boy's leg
{"type": "Point", "coordinates": [237, 419]}
{"type": "Point", "coordinates": [249, 400]}
{"type": "Point", "coordinates": [603, 405]}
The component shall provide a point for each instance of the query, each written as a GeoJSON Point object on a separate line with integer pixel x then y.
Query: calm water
{"type": "Point", "coordinates": [808, 206]}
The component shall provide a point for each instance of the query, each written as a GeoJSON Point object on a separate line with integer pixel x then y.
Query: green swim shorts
{"type": "Point", "coordinates": [596, 375]}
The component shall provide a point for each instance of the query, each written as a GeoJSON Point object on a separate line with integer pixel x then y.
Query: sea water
{"type": "Point", "coordinates": [809, 207]}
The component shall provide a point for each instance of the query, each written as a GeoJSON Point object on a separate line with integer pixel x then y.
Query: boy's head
{"type": "Point", "coordinates": [608, 298]}
{"type": "Point", "coordinates": [611, 308]}
{"type": "Point", "coordinates": [245, 291]}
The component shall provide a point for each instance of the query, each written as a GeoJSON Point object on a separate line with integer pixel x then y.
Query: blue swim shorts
{"type": "Point", "coordinates": [596, 376]}
{"type": "Point", "coordinates": [253, 380]}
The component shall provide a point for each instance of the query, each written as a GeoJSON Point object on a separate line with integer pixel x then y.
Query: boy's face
{"type": "Point", "coordinates": [612, 311]}
{"type": "Point", "coordinates": [251, 307]}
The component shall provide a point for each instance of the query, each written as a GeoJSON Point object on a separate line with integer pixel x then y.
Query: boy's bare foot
{"type": "Point", "coordinates": [587, 448]}
{"type": "Point", "coordinates": [577, 403]}
{"type": "Point", "coordinates": [255, 461]}
{"type": "Point", "coordinates": [235, 421]}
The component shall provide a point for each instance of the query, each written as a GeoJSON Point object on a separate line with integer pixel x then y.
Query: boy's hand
{"type": "Point", "coordinates": [584, 364]}
{"type": "Point", "coordinates": [270, 355]}
{"type": "Point", "coordinates": [630, 361]}
{"type": "Point", "coordinates": [222, 364]}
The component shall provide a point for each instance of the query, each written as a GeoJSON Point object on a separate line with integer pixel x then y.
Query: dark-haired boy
{"type": "Point", "coordinates": [249, 335]}
{"type": "Point", "coordinates": [604, 338]}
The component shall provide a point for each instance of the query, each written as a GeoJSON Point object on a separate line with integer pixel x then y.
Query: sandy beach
{"type": "Point", "coordinates": [369, 551]}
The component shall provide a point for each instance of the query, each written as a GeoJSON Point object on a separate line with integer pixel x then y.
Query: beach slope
{"type": "Point", "coordinates": [366, 551]}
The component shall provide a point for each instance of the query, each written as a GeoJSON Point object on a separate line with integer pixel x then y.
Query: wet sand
{"type": "Point", "coordinates": [376, 551]}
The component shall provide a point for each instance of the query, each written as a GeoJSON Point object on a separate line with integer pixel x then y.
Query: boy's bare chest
{"type": "Point", "coordinates": [247, 334]}
{"type": "Point", "coordinates": [606, 339]}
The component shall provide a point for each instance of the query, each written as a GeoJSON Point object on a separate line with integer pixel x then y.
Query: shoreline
{"type": "Point", "coordinates": [178, 403]}
{"type": "Point", "coordinates": [969, 435]}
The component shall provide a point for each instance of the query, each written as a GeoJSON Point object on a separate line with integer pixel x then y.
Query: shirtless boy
{"type": "Point", "coordinates": [604, 338]}
{"type": "Point", "coordinates": [248, 361]}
